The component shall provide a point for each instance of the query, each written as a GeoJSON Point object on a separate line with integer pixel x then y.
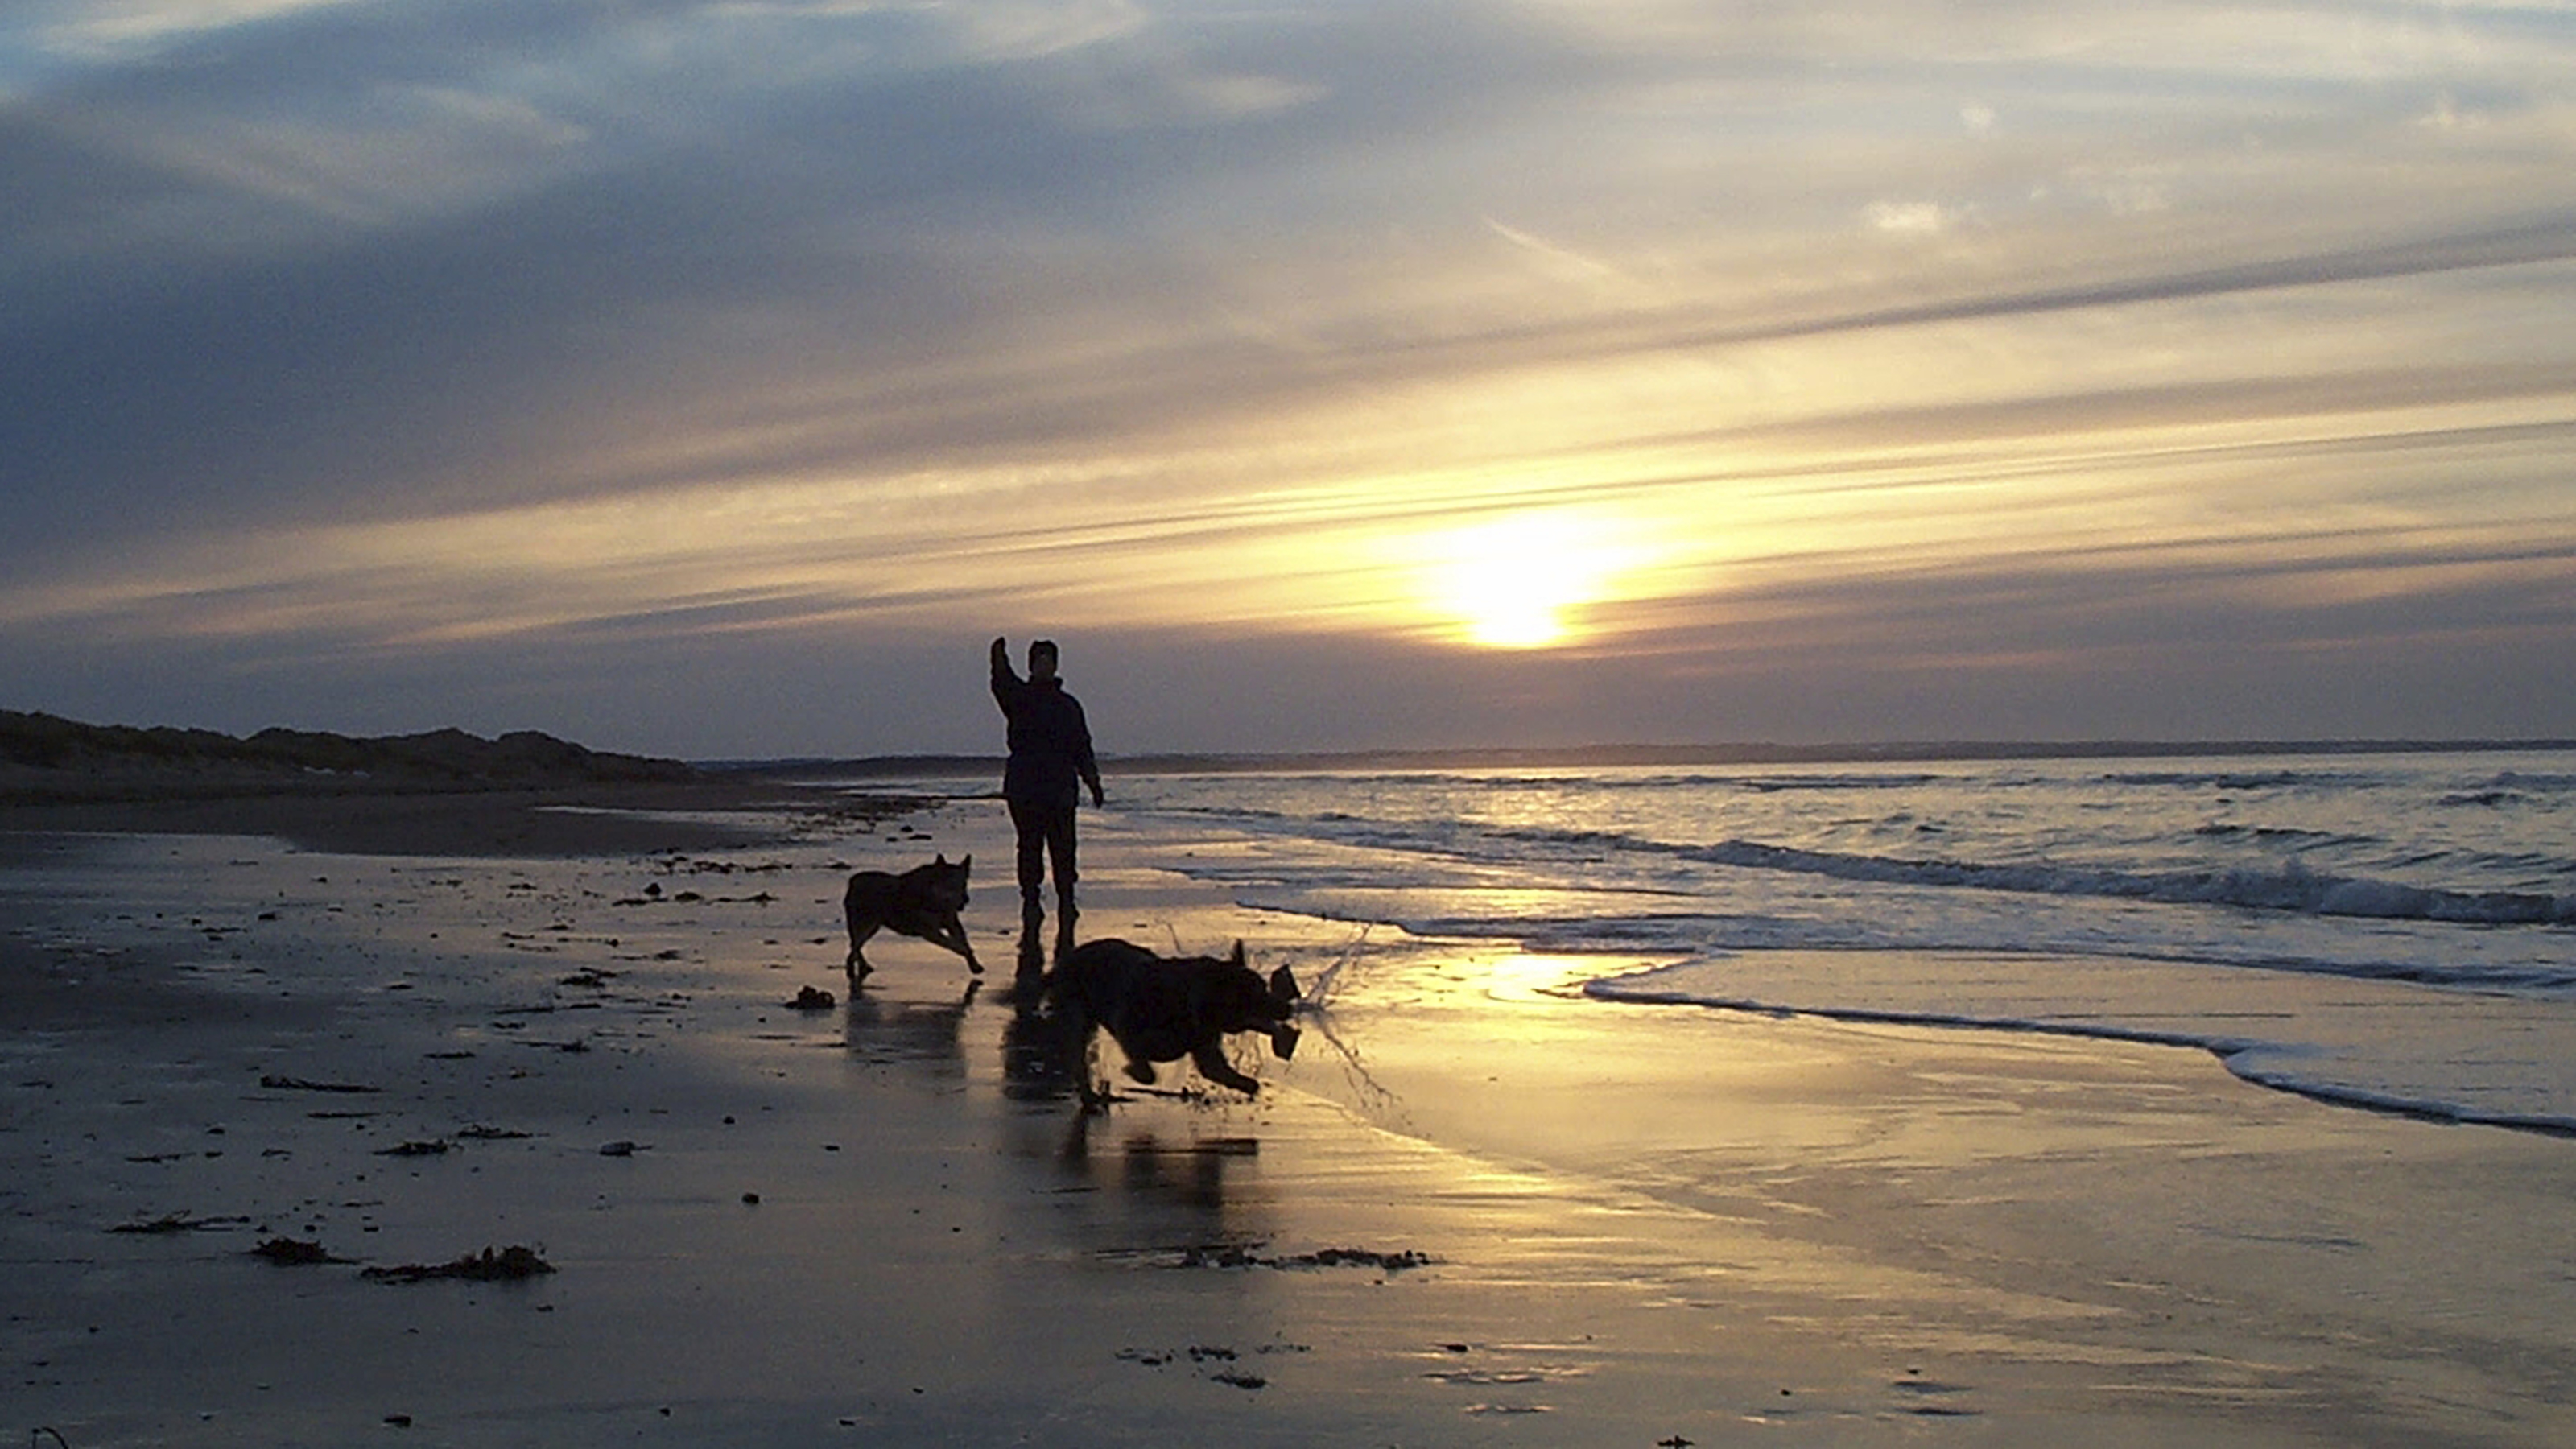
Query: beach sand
{"type": "Point", "coordinates": [1474, 1209]}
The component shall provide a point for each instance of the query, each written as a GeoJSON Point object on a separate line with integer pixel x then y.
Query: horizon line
{"type": "Point", "coordinates": [1726, 753]}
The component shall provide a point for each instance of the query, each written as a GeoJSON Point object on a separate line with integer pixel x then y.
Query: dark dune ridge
{"type": "Point", "coordinates": [443, 792]}
{"type": "Point", "coordinates": [44, 757]}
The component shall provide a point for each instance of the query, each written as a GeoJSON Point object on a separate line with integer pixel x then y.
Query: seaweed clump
{"type": "Point", "coordinates": [294, 1252]}
{"type": "Point", "coordinates": [1229, 1255]}
{"type": "Point", "coordinates": [507, 1265]}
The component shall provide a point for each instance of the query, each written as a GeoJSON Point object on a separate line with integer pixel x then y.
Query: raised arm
{"type": "Point", "coordinates": [1006, 680]}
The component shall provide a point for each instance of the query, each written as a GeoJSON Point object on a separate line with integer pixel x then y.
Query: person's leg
{"type": "Point", "coordinates": [1031, 823]}
{"type": "Point", "coordinates": [1060, 846]}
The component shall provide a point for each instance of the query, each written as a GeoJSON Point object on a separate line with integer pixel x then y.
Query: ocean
{"type": "Point", "coordinates": [2395, 932]}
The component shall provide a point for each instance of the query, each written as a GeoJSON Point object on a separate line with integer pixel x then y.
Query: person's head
{"type": "Point", "coordinates": [1042, 659]}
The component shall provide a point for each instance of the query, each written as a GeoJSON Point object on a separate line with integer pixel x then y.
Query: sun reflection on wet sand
{"type": "Point", "coordinates": [1524, 976]}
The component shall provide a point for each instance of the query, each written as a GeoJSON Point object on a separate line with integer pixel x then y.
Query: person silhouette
{"type": "Point", "coordinates": [1050, 761]}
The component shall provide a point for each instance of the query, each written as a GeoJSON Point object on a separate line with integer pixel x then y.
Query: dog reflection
{"type": "Point", "coordinates": [1190, 1172]}
{"type": "Point", "coordinates": [879, 1030]}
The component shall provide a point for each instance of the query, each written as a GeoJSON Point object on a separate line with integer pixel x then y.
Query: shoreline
{"type": "Point", "coordinates": [1474, 1208]}
{"type": "Point", "coordinates": [2230, 1054]}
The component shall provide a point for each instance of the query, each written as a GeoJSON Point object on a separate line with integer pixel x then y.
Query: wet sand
{"type": "Point", "coordinates": [1474, 1209]}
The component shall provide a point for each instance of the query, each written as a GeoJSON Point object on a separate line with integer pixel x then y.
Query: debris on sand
{"type": "Point", "coordinates": [510, 1264]}
{"type": "Point", "coordinates": [277, 1083]}
{"type": "Point", "coordinates": [1395, 1262]}
{"type": "Point", "coordinates": [812, 998]}
{"type": "Point", "coordinates": [417, 1149]}
{"type": "Point", "coordinates": [1230, 1373]}
{"type": "Point", "coordinates": [1238, 1255]}
{"type": "Point", "coordinates": [178, 1222]}
{"type": "Point", "coordinates": [294, 1252]}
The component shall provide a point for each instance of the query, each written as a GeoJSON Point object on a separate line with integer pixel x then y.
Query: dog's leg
{"type": "Point", "coordinates": [952, 934]}
{"type": "Point", "coordinates": [857, 965]}
{"type": "Point", "coordinates": [1212, 1064]}
{"type": "Point", "coordinates": [1071, 1038]}
{"type": "Point", "coordinates": [1093, 1092]}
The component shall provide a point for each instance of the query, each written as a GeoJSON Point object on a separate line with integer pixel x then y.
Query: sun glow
{"type": "Point", "coordinates": [1517, 583]}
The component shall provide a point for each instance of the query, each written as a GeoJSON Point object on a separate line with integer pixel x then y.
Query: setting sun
{"type": "Point", "coordinates": [1512, 584]}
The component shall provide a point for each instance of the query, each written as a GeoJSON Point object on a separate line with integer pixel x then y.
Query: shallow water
{"type": "Point", "coordinates": [2394, 930]}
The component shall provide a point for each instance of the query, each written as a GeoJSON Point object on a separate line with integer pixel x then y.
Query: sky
{"type": "Point", "coordinates": [716, 378]}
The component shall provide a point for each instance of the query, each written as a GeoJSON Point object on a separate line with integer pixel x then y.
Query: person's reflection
{"type": "Point", "coordinates": [1037, 1061]}
{"type": "Point", "coordinates": [1028, 978]}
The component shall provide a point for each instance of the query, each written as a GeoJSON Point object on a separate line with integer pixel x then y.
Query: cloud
{"type": "Point", "coordinates": [469, 327]}
{"type": "Point", "coordinates": [439, 253]}
{"type": "Point", "coordinates": [1915, 218]}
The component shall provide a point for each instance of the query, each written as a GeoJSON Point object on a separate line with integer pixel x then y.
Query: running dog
{"type": "Point", "coordinates": [923, 903]}
{"type": "Point", "coordinates": [1163, 1009]}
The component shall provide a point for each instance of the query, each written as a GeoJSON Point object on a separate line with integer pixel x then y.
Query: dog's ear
{"type": "Point", "coordinates": [1237, 957]}
{"type": "Point", "coordinates": [940, 859]}
{"type": "Point", "coordinates": [968, 863]}
{"type": "Point", "coordinates": [1283, 988]}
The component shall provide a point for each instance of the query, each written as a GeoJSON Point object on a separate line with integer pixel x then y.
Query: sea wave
{"type": "Point", "coordinates": [2285, 887]}
{"type": "Point", "coordinates": [1682, 933]}
{"type": "Point", "coordinates": [1775, 784]}
{"type": "Point", "coordinates": [2239, 780]}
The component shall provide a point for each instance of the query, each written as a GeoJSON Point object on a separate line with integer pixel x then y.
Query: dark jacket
{"type": "Point", "coordinates": [1050, 741]}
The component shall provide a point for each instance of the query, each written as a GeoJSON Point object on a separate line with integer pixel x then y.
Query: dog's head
{"type": "Point", "coordinates": [942, 883]}
{"type": "Point", "coordinates": [1235, 998]}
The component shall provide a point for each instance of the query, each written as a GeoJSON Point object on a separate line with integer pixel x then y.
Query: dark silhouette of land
{"type": "Point", "coordinates": [44, 757]}
{"type": "Point", "coordinates": [443, 792]}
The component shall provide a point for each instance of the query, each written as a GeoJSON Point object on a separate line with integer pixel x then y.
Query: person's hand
{"type": "Point", "coordinates": [1096, 801]}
